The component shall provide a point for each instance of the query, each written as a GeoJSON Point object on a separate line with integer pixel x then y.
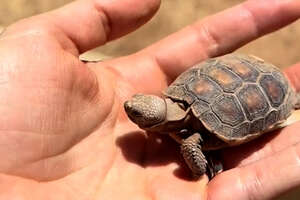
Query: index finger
{"type": "Point", "coordinates": [221, 33]}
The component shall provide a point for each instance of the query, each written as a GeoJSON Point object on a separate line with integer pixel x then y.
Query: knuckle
{"type": "Point", "coordinates": [206, 37]}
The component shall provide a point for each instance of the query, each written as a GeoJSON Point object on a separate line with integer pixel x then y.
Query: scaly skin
{"type": "Point", "coordinates": [193, 156]}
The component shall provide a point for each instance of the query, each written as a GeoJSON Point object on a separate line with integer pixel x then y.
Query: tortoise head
{"type": "Point", "coordinates": [146, 110]}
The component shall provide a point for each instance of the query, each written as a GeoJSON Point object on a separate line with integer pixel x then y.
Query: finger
{"type": "Point", "coordinates": [267, 145]}
{"type": "Point", "coordinates": [264, 179]}
{"type": "Point", "coordinates": [221, 33]}
{"type": "Point", "coordinates": [293, 74]}
{"type": "Point", "coordinates": [90, 23]}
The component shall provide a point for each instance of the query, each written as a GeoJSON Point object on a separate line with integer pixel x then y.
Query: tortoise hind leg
{"type": "Point", "coordinates": [214, 165]}
{"type": "Point", "coordinates": [193, 156]}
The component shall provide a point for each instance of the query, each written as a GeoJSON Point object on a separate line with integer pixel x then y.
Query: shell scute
{"type": "Point", "coordinates": [204, 89]}
{"type": "Point", "coordinates": [227, 80]}
{"type": "Point", "coordinates": [257, 126]}
{"type": "Point", "coordinates": [199, 107]}
{"type": "Point", "coordinates": [211, 121]}
{"type": "Point", "coordinates": [241, 130]}
{"type": "Point", "coordinates": [253, 101]}
{"type": "Point", "coordinates": [243, 69]}
{"type": "Point", "coordinates": [274, 89]}
{"type": "Point", "coordinates": [180, 93]}
{"type": "Point", "coordinates": [228, 110]}
{"type": "Point", "coordinates": [271, 118]}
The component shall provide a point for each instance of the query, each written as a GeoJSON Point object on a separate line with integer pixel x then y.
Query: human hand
{"type": "Point", "coordinates": [64, 134]}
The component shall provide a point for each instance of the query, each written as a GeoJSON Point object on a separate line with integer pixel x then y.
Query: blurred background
{"type": "Point", "coordinates": [280, 48]}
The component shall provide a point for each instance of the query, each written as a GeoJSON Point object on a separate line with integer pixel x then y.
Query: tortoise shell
{"type": "Point", "coordinates": [236, 97]}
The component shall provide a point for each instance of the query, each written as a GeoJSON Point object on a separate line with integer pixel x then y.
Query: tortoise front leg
{"type": "Point", "coordinates": [193, 156]}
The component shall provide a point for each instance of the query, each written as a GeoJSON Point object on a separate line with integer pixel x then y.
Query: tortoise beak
{"type": "Point", "coordinates": [127, 106]}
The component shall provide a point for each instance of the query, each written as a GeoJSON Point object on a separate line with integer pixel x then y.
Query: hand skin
{"type": "Point", "coordinates": [63, 131]}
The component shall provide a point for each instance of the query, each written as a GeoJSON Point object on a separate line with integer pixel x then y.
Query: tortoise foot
{"type": "Point", "coordinates": [193, 155]}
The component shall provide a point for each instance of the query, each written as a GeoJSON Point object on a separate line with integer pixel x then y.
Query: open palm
{"type": "Point", "coordinates": [63, 131]}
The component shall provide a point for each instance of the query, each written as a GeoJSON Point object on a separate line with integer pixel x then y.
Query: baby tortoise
{"type": "Point", "coordinates": [224, 101]}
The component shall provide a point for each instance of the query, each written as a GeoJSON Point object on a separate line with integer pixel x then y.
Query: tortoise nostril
{"type": "Point", "coordinates": [136, 113]}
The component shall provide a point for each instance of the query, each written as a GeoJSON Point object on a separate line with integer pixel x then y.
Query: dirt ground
{"type": "Point", "coordinates": [281, 48]}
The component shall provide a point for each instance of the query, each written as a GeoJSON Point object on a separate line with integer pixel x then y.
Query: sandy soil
{"type": "Point", "coordinates": [280, 48]}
